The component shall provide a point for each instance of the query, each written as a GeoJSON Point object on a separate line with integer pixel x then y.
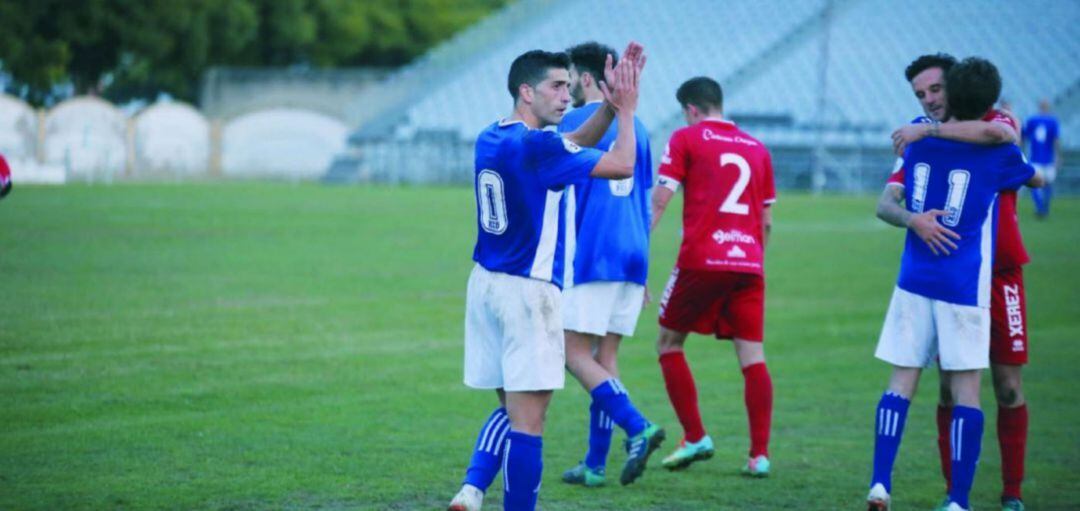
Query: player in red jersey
{"type": "Point", "coordinates": [5, 177]}
{"type": "Point", "coordinates": [1008, 307]}
{"type": "Point", "coordinates": [717, 286]}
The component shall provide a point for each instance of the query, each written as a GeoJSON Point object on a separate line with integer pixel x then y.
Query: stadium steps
{"type": "Point", "coordinates": [748, 73]}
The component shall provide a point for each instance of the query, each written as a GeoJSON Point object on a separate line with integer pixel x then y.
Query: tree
{"type": "Point", "coordinates": [125, 49]}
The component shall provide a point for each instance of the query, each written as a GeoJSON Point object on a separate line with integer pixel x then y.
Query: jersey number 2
{"type": "Point", "coordinates": [731, 204]}
{"type": "Point", "coordinates": [954, 202]}
{"type": "Point", "coordinates": [492, 201]}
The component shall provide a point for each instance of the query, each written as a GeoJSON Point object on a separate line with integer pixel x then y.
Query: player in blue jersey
{"type": "Point", "coordinates": [1044, 150]}
{"type": "Point", "coordinates": [607, 263]}
{"type": "Point", "coordinates": [513, 316]}
{"type": "Point", "coordinates": [940, 306]}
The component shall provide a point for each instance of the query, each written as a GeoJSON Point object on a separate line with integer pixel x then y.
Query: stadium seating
{"type": "Point", "coordinates": [766, 53]}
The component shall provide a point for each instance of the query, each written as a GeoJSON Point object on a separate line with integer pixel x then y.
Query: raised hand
{"type": "Point", "coordinates": [936, 236]}
{"type": "Point", "coordinates": [620, 85]}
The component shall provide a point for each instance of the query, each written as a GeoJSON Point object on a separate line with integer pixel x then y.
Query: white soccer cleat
{"type": "Point", "coordinates": [955, 507]}
{"type": "Point", "coordinates": [878, 499]}
{"type": "Point", "coordinates": [470, 498]}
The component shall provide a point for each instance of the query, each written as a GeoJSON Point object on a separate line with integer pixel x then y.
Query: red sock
{"type": "Point", "coordinates": [1012, 426]}
{"type": "Point", "coordinates": [944, 420]}
{"type": "Point", "coordinates": [758, 395]}
{"type": "Point", "coordinates": [683, 393]}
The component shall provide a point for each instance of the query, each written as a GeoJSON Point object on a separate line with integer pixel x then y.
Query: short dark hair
{"type": "Point", "coordinates": [974, 86]}
{"type": "Point", "coordinates": [532, 67]}
{"type": "Point", "coordinates": [942, 60]}
{"type": "Point", "coordinates": [591, 57]}
{"type": "Point", "coordinates": [702, 92]}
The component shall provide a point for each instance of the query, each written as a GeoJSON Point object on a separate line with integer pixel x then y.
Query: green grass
{"type": "Point", "coordinates": [266, 346]}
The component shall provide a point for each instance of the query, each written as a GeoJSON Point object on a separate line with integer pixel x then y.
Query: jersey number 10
{"type": "Point", "coordinates": [491, 198]}
{"type": "Point", "coordinates": [954, 202]}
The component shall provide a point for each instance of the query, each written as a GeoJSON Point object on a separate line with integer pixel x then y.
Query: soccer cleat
{"type": "Point", "coordinates": [470, 498]}
{"type": "Point", "coordinates": [689, 452]}
{"type": "Point", "coordinates": [638, 450]}
{"type": "Point", "coordinates": [948, 505]}
{"type": "Point", "coordinates": [1012, 504]}
{"type": "Point", "coordinates": [757, 466]}
{"type": "Point", "coordinates": [585, 476]}
{"type": "Point", "coordinates": [878, 499]}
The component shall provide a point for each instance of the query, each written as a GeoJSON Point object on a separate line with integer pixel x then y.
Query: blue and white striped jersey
{"type": "Point", "coordinates": [520, 177]}
{"type": "Point", "coordinates": [608, 237]}
{"type": "Point", "coordinates": [963, 180]}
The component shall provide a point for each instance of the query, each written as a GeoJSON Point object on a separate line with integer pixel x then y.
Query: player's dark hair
{"type": "Point", "coordinates": [702, 92]}
{"type": "Point", "coordinates": [532, 67]}
{"type": "Point", "coordinates": [974, 86]}
{"type": "Point", "coordinates": [942, 60]}
{"type": "Point", "coordinates": [591, 57]}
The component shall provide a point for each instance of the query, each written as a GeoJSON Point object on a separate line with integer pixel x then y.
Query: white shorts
{"type": "Point", "coordinates": [1048, 171]}
{"type": "Point", "coordinates": [918, 328]}
{"type": "Point", "coordinates": [597, 308]}
{"type": "Point", "coordinates": [513, 333]}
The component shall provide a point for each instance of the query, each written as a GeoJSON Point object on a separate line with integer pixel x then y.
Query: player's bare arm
{"type": "Point", "coordinates": [589, 133]}
{"type": "Point", "coordinates": [937, 237]}
{"type": "Point", "coordinates": [661, 196]}
{"type": "Point", "coordinates": [890, 206]}
{"type": "Point", "coordinates": [621, 92]}
{"type": "Point", "coordinates": [1037, 181]}
{"type": "Point", "coordinates": [976, 132]}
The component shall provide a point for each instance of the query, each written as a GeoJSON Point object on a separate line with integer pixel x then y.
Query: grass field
{"type": "Point", "coordinates": [268, 346]}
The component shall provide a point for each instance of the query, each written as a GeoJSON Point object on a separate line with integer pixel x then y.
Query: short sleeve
{"type": "Point", "coordinates": [897, 175]}
{"type": "Point", "coordinates": [1015, 170]}
{"type": "Point", "coordinates": [999, 117]}
{"type": "Point", "coordinates": [557, 160]}
{"type": "Point", "coordinates": [673, 164]}
{"type": "Point", "coordinates": [769, 184]}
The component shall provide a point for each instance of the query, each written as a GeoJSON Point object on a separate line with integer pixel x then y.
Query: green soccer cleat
{"type": "Point", "coordinates": [878, 499]}
{"type": "Point", "coordinates": [585, 476]}
{"type": "Point", "coordinates": [1012, 504]}
{"type": "Point", "coordinates": [638, 450]}
{"type": "Point", "coordinates": [757, 466]}
{"type": "Point", "coordinates": [689, 452]}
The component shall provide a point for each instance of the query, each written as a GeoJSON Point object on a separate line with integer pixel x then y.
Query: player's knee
{"type": "Point", "coordinates": [1008, 393]}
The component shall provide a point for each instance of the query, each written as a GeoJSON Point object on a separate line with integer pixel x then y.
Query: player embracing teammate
{"type": "Point", "coordinates": [941, 305]}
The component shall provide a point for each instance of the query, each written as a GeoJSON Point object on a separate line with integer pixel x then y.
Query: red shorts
{"type": "Point", "coordinates": [1008, 318]}
{"type": "Point", "coordinates": [726, 304]}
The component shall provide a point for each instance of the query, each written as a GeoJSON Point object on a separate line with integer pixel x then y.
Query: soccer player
{"type": "Point", "coordinates": [5, 177]}
{"type": "Point", "coordinates": [717, 286]}
{"type": "Point", "coordinates": [608, 239]}
{"type": "Point", "coordinates": [1008, 334]}
{"type": "Point", "coordinates": [940, 305]}
{"type": "Point", "coordinates": [513, 316]}
{"type": "Point", "coordinates": [1044, 149]}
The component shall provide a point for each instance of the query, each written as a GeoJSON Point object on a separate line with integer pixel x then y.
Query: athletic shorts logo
{"type": "Point", "coordinates": [1012, 311]}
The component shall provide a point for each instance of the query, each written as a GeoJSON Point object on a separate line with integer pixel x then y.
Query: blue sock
{"type": "Point", "coordinates": [891, 415]}
{"type": "Point", "coordinates": [522, 468]}
{"type": "Point", "coordinates": [601, 428]}
{"type": "Point", "coordinates": [488, 453]}
{"type": "Point", "coordinates": [1038, 196]}
{"type": "Point", "coordinates": [966, 436]}
{"type": "Point", "coordinates": [615, 402]}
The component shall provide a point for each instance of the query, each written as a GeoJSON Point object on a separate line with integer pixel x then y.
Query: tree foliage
{"type": "Point", "coordinates": [127, 49]}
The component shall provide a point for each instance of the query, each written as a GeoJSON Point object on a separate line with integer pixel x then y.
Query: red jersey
{"type": "Point", "coordinates": [1009, 251]}
{"type": "Point", "coordinates": [728, 177]}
